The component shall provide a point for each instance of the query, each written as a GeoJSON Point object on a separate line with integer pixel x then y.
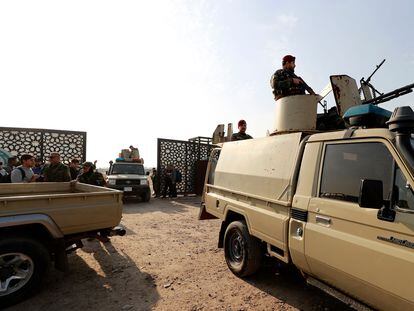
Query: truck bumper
{"type": "Point", "coordinates": [131, 191]}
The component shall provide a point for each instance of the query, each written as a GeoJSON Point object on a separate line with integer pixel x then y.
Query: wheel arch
{"type": "Point", "coordinates": [38, 223]}
{"type": "Point", "coordinates": [231, 215]}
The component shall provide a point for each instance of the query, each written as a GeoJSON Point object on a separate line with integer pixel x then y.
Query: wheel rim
{"type": "Point", "coordinates": [16, 270]}
{"type": "Point", "coordinates": [236, 249]}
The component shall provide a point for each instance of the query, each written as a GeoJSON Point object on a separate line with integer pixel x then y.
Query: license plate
{"type": "Point", "coordinates": [127, 188]}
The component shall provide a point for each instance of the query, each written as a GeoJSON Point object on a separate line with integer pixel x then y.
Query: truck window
{"type": "Point", "coordinates": [346, 164]}
{"type": "Point", "coordinates": [404, 196]}
{"type": "Point", "coordinates": [132, 169]}
{"type": "Point", "coordinates": [215, 154]}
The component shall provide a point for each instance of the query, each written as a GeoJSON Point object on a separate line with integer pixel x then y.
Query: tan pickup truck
{"type": "Point", "coordinates": [42, 222]}
{"type": "Point", "coordinates": [337, 205]}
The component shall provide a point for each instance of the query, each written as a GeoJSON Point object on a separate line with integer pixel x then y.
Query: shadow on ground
{"type": "Point", "coordinates": [114, 282]}
{"type": "Point", "coordinates": [286, 284]}
{"type": "Point", "coordinates": [168, 205]}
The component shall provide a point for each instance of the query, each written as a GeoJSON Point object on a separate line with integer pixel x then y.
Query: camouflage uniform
{"type": "Point", "coordinates": [240, 136]}
{"type": "Point", "coordinates": [282, 84]}
{"type": "Point", "coordinates": [56, 173]}
{"type": "Point", "coordinates": [92, 178]}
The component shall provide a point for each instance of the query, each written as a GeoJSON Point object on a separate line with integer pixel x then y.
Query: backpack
{"type": "Point", "coordinates": [22, 172]}
{"type": "Point", "coordinates": [178, 177]}
{"type": "Point", "coordinates": [7, 178]}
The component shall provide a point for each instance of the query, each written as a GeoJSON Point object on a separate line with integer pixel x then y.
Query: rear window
{"type": "Point", "coordinates": [132, 169]}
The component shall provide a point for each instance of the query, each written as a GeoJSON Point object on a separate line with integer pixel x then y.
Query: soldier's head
{"type": "Point", "coordinates": [74, 163]}
{"type": "Point", "coordinates": [12, 161]}
{"type": "Point", "coordinates": [54, 158]}
{"type": "Point", "coordinates": [87, 167]}
{"type": "Point", "coordinates": [242, 126]}
{"type": "Point", "coordinates": [38, 161]}
{"type": "Point", "coordinates": [27, 160]}
{"type": "Point", "coordinates": [288, 62]}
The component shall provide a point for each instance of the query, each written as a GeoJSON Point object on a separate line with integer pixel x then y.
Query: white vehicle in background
{"type": "Point", "coordinates": [130, 178]}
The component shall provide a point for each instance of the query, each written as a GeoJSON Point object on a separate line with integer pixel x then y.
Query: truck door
{"type": "Point", "coordinates": [348, 246]}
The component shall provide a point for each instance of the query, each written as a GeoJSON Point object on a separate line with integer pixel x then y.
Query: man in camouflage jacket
{"type": "Point", "coordinates": [241, 135]}
{"type": "Point", "coordinates": [56, 171]}
{"type": "Point", "coordinates": [285, 82]}
{"type": "Point", "coordinates": [90, 176]}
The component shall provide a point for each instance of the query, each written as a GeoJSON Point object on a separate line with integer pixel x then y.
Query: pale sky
{"type": "Point", "coordinates": [129, 72]}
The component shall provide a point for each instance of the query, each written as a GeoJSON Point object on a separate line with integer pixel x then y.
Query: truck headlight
{"type": "Point", "coordinates": [144, 182]}
{"type": "Point", "coordinates": [111, 182]}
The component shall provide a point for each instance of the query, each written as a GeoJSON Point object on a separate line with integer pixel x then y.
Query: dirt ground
{"type": "Point", "coordinates": [169, 260]}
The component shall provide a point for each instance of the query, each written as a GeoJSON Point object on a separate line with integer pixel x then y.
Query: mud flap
{"type": "Point", "coordinates": [203, 215]}
{"type": "Point", "coordinates": [61, 258]}
{"type": "Point", "coordinates": [223, 228]}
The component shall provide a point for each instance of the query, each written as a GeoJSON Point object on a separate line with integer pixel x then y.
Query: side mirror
{"type": "Point", "coordinates": [371, 194]}
{"type": "Point", "coordinates": [147, 173]}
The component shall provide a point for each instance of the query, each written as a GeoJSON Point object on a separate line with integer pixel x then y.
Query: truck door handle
{"type": "Point", "coordinates": [323, 220]}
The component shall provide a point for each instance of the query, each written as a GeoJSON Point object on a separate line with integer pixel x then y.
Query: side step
{"type": "Point", "coordinates": [338, 295]}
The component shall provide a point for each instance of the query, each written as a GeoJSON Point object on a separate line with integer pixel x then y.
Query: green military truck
{"type": "Point", "coordinates": [337, 205]}
{"type": "Point", "coordinates": [41, 223]}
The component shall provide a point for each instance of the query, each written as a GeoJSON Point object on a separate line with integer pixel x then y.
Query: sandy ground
{"type": "Point", "coordinates": [169, 261]}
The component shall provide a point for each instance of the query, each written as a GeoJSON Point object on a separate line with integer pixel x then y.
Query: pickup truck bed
{"type": "Point", "coordinates": [73, 207]}
{"type": "Point", "coordinates": [43, 222]}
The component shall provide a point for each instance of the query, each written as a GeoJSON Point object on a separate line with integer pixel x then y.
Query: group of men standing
{"type": "Point", "coordinates": [31, 169]}
{"type": "Point", "coordinates": [284, 82]}
{"type": "Point", "coordinates": [170, 177]}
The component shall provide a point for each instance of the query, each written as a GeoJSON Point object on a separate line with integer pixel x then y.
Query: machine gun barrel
{"type": "Point", "coordinates": [377, 67]}
{"type": "Point", "coordinates": [391, 95]}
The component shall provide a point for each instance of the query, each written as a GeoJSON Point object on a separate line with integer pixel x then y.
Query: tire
{"type": "Point", "coordinates": [147, 196]}
{"type": "Point", "coordinates": [242, 251]}
{"type": "Point", "coordinates": [27, 258]}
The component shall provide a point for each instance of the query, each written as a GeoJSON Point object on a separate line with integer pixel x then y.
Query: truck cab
{"type": "Point", "coordinates": [129, 177]}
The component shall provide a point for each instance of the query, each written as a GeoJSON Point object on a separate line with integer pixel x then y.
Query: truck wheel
{"type": "Point", "coordinates": [146, 197]}
{"type": "Point", "coordinates": [23, 265]}
{"type": "Point", "coordinates": [242, 251]}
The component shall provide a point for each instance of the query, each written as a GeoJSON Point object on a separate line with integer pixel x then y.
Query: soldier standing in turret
{"type": "Point", "coordinates": [285, 82]}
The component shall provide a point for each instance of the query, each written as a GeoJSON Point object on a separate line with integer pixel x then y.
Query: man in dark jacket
{"type": "Point", "coordinates": [170, 182]}
{"type": "Point", "coordinates": [74, 169]}
{"type": "Point", "coordinates": [90, 176]}
{"type": "Point", "coordinates": [241, 135]}
{"type": "Point", "coordinates": [285, 82]}
{"type": "Point", "coordinates": [56, 171]}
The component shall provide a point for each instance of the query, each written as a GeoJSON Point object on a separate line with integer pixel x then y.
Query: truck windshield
{"type": "Point", "coordinates": [132, 169]}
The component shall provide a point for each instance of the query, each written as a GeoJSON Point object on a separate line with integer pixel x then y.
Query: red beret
{"type": "Point", "coordinates": [288, 59]}
{"type": "Point", "coordinates": [241, 122]}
